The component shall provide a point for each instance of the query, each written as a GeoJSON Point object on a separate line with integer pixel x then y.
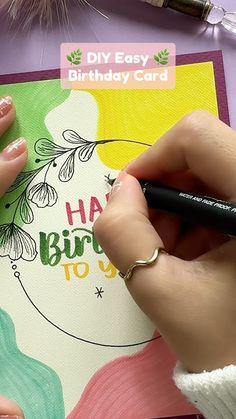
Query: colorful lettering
{"type": "Point", "coordinates": [109, 270]}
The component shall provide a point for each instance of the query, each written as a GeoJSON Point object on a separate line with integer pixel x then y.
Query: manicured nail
{"type": "Point", "coordinates": [118, 182]}
{"type": "Point", "coordinates": [5, 107]}
{"type": "Point", "coordinates": [14, 150]}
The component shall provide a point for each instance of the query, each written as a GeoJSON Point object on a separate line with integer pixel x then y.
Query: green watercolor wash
{"type": "Point", "coordinates": [33, 101]}
{"type": "Point", "coordinates": [33, 385]}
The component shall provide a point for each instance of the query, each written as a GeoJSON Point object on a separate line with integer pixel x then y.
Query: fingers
{"type": "Point", "coordinates": [126, 235]}
{"type": "Point", "coordinates": [171, 290]}
{"type": "Point", "coordinates": [12, 161]}
{"type": "Point", "coordinates": [9, 409]}
{"type": "Point", "coordinates": [123, 229]}
{"type": "Point", "coordinates": [197, 241]}
{"type": "Point", "coordinates": [13, 157]}
{"type": "Point", "coordinates": [199, 143]}
{"type": "Point", "coordinates": [7, 113]}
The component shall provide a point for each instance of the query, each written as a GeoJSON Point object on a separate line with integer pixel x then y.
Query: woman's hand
{"type": "Point", "coordinates": [189, 293]}
{"type": "Point", "coordinates": [12, 161]}
{"type": "Point", "coordinates": [13, 157]}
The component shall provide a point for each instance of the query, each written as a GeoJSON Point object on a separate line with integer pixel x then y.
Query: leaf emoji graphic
{"type": "Point", "coordinates": [75, 57]}
{"type": "Point", "coordinates": [162, 57]}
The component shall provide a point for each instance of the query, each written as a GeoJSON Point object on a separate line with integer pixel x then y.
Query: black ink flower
{"type": "Point", "coordinates": [43, 195]}
{"type": "Point", "coordinates": [16, 243]}
{"type": "Point", "coordinates": [85, 148]}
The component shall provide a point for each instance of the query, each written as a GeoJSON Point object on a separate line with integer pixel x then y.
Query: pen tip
{"type": "Point", "coordinates": [109, 180]}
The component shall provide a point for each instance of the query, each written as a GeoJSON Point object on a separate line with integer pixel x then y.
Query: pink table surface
{"type": "Point", "coordinates": [129, 21]}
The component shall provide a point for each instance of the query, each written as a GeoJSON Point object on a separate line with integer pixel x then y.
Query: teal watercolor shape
{"type": "Point", "coordinates": [34, 386]}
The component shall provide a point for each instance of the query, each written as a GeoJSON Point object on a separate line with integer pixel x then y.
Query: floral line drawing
{"type": "Point", "coordinates": [15, 242]}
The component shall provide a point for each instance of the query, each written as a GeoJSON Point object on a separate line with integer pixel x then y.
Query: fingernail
{"type": "Point", "coordinates": [118, 182]}
{"type": "Point", "coordinates": [5, 107]}
{"type": "Point", "coordinates": [14, 150]}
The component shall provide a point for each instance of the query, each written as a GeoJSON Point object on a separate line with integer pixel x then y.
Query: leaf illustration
{"type": "Point", "coordinates": [21, 179]}
{"type": "Point", "coordinates": [67, 170]}
{"type": "Point", "coordinates": [86, 152]}
{"type": "Point", "coordinates": [72, 137]}
{"type": "Point", "coordinates": [26, 212]}
{"type": "Point", "coordinates": [48, 148]}
{"type": "Point", "coordinates": [162, 57]}
{"type": "Point", "coordinates": [69, 58]}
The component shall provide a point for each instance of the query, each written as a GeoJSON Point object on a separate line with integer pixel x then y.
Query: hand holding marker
{"type": "Point", "coordinates": [128, 231]}
{"type": "Point", "coordinates": [189, 292]}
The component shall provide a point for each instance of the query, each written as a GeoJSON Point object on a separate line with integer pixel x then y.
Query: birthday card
{"type": "Point", "coordinates": [72, 341]}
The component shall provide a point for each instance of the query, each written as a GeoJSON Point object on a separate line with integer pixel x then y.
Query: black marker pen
{"type": "Point", "coordinates": [196, 209]}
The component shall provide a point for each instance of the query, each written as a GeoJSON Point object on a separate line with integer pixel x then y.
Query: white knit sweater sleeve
{"type": "Point", "coordinates": [213, 393]}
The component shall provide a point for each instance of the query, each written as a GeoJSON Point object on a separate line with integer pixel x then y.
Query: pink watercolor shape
{"type": "Point", "coordinates": [139, 386]}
